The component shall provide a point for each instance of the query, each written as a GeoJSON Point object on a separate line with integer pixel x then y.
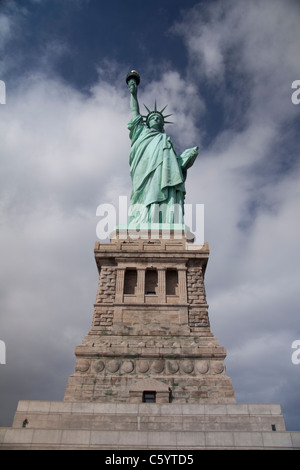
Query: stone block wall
{"type": "Point", "coordinates": [150, 322]}
{"type": "Point", "coordinates": [107, 285]}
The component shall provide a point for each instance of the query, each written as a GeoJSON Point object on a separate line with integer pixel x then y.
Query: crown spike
{"type": "Point", "coordinates": [157, 112]}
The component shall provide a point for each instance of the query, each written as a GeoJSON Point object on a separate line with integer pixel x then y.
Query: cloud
{"type": "Point", "coordinates": [247, 51]}
{"type": "Point", "coordinates": [186, 106]}
{"type": "Point", "coordinates": [58, 148]}
{"type": "Point", "coordinates": [248, 179]}
{"type": "Point", "coordinates": [5, 29]}
{"type": "Point", "coordinates": [65, 151]}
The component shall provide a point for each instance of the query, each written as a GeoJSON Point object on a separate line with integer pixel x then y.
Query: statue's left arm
{"type": "Point", "coordinates": [188, 157]}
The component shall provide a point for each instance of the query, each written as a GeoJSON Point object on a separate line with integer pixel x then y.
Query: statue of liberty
{"type": "Point", "coordinates": [157, 173]}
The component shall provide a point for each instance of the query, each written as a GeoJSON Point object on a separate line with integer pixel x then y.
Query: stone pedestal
{"type": "Point", "coordinates": [150, 374]}
{"type": "Point", "coordinates": [150, 330]}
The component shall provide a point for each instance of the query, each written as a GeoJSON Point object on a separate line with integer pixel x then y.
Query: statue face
{"type": "Point", "coordinates": [156, 122]}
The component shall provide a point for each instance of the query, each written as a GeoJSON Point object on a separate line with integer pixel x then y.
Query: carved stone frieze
{"type": "Point", "coordinates": [167, 366]}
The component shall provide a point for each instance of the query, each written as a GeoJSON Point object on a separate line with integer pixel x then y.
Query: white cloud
{"type": "Point", "coordinates": [64, 153]}
{"type": "Point", "coordinates": [184, 103]}
{"type": "Point", "coordinates": [5, 29]}
{"type": "Point", "coordinates": [248, 180]}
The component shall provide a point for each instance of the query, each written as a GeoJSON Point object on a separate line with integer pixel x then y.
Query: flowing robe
{"type": "Point", "coordinates": [158, 175]}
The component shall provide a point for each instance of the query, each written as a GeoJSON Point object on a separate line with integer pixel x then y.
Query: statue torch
{"type": "Point", "coordinates": [133, 75]}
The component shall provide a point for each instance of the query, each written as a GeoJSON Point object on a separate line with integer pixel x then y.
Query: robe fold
{"type": "Point", "coordinates": [157, 174]}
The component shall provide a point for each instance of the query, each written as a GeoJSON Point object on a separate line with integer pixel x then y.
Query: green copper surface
{"type": "Point", "coordinates": [157, 172]}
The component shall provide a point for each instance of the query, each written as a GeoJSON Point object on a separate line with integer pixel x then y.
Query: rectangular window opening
{"type": "Point", "coordinates": [172, 282]}
{"type": "Point", "coordinates": [130, 281]}
{"type": "Point", "coordinates": [151, 281]}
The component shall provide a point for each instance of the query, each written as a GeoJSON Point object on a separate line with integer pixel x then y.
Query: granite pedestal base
{"type": "Point", "coordinates": [144, 426]}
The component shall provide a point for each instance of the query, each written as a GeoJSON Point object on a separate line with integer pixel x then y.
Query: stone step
{"type": "Point", "coordinates": [66, 439]}
{"type": "Point", "coordinates": [145, 426]}
{"type": "Point", "coordinates": [149, 416]}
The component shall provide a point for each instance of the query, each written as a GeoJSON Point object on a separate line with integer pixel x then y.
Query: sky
{"type": "Point", "coordinates": [225, 68]}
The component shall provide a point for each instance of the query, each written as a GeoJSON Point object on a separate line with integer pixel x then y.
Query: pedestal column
{"type": "Point", "coordinates": [140, 287]}
{"type": "Point", "coordinates": [182, 285]}
{"type": "Point", "coordinates": [120, 285]}
{"type": "Point", "coordinates": [161, 288]}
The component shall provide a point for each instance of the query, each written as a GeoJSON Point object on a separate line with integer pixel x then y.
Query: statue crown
{"type": "Point", "coordinates": [156, 111]}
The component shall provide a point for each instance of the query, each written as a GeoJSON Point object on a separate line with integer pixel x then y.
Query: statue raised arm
{"type": "Point", "coordinates": [134, 104]}
{"type": "Point", "coordinates": [158, 174]}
